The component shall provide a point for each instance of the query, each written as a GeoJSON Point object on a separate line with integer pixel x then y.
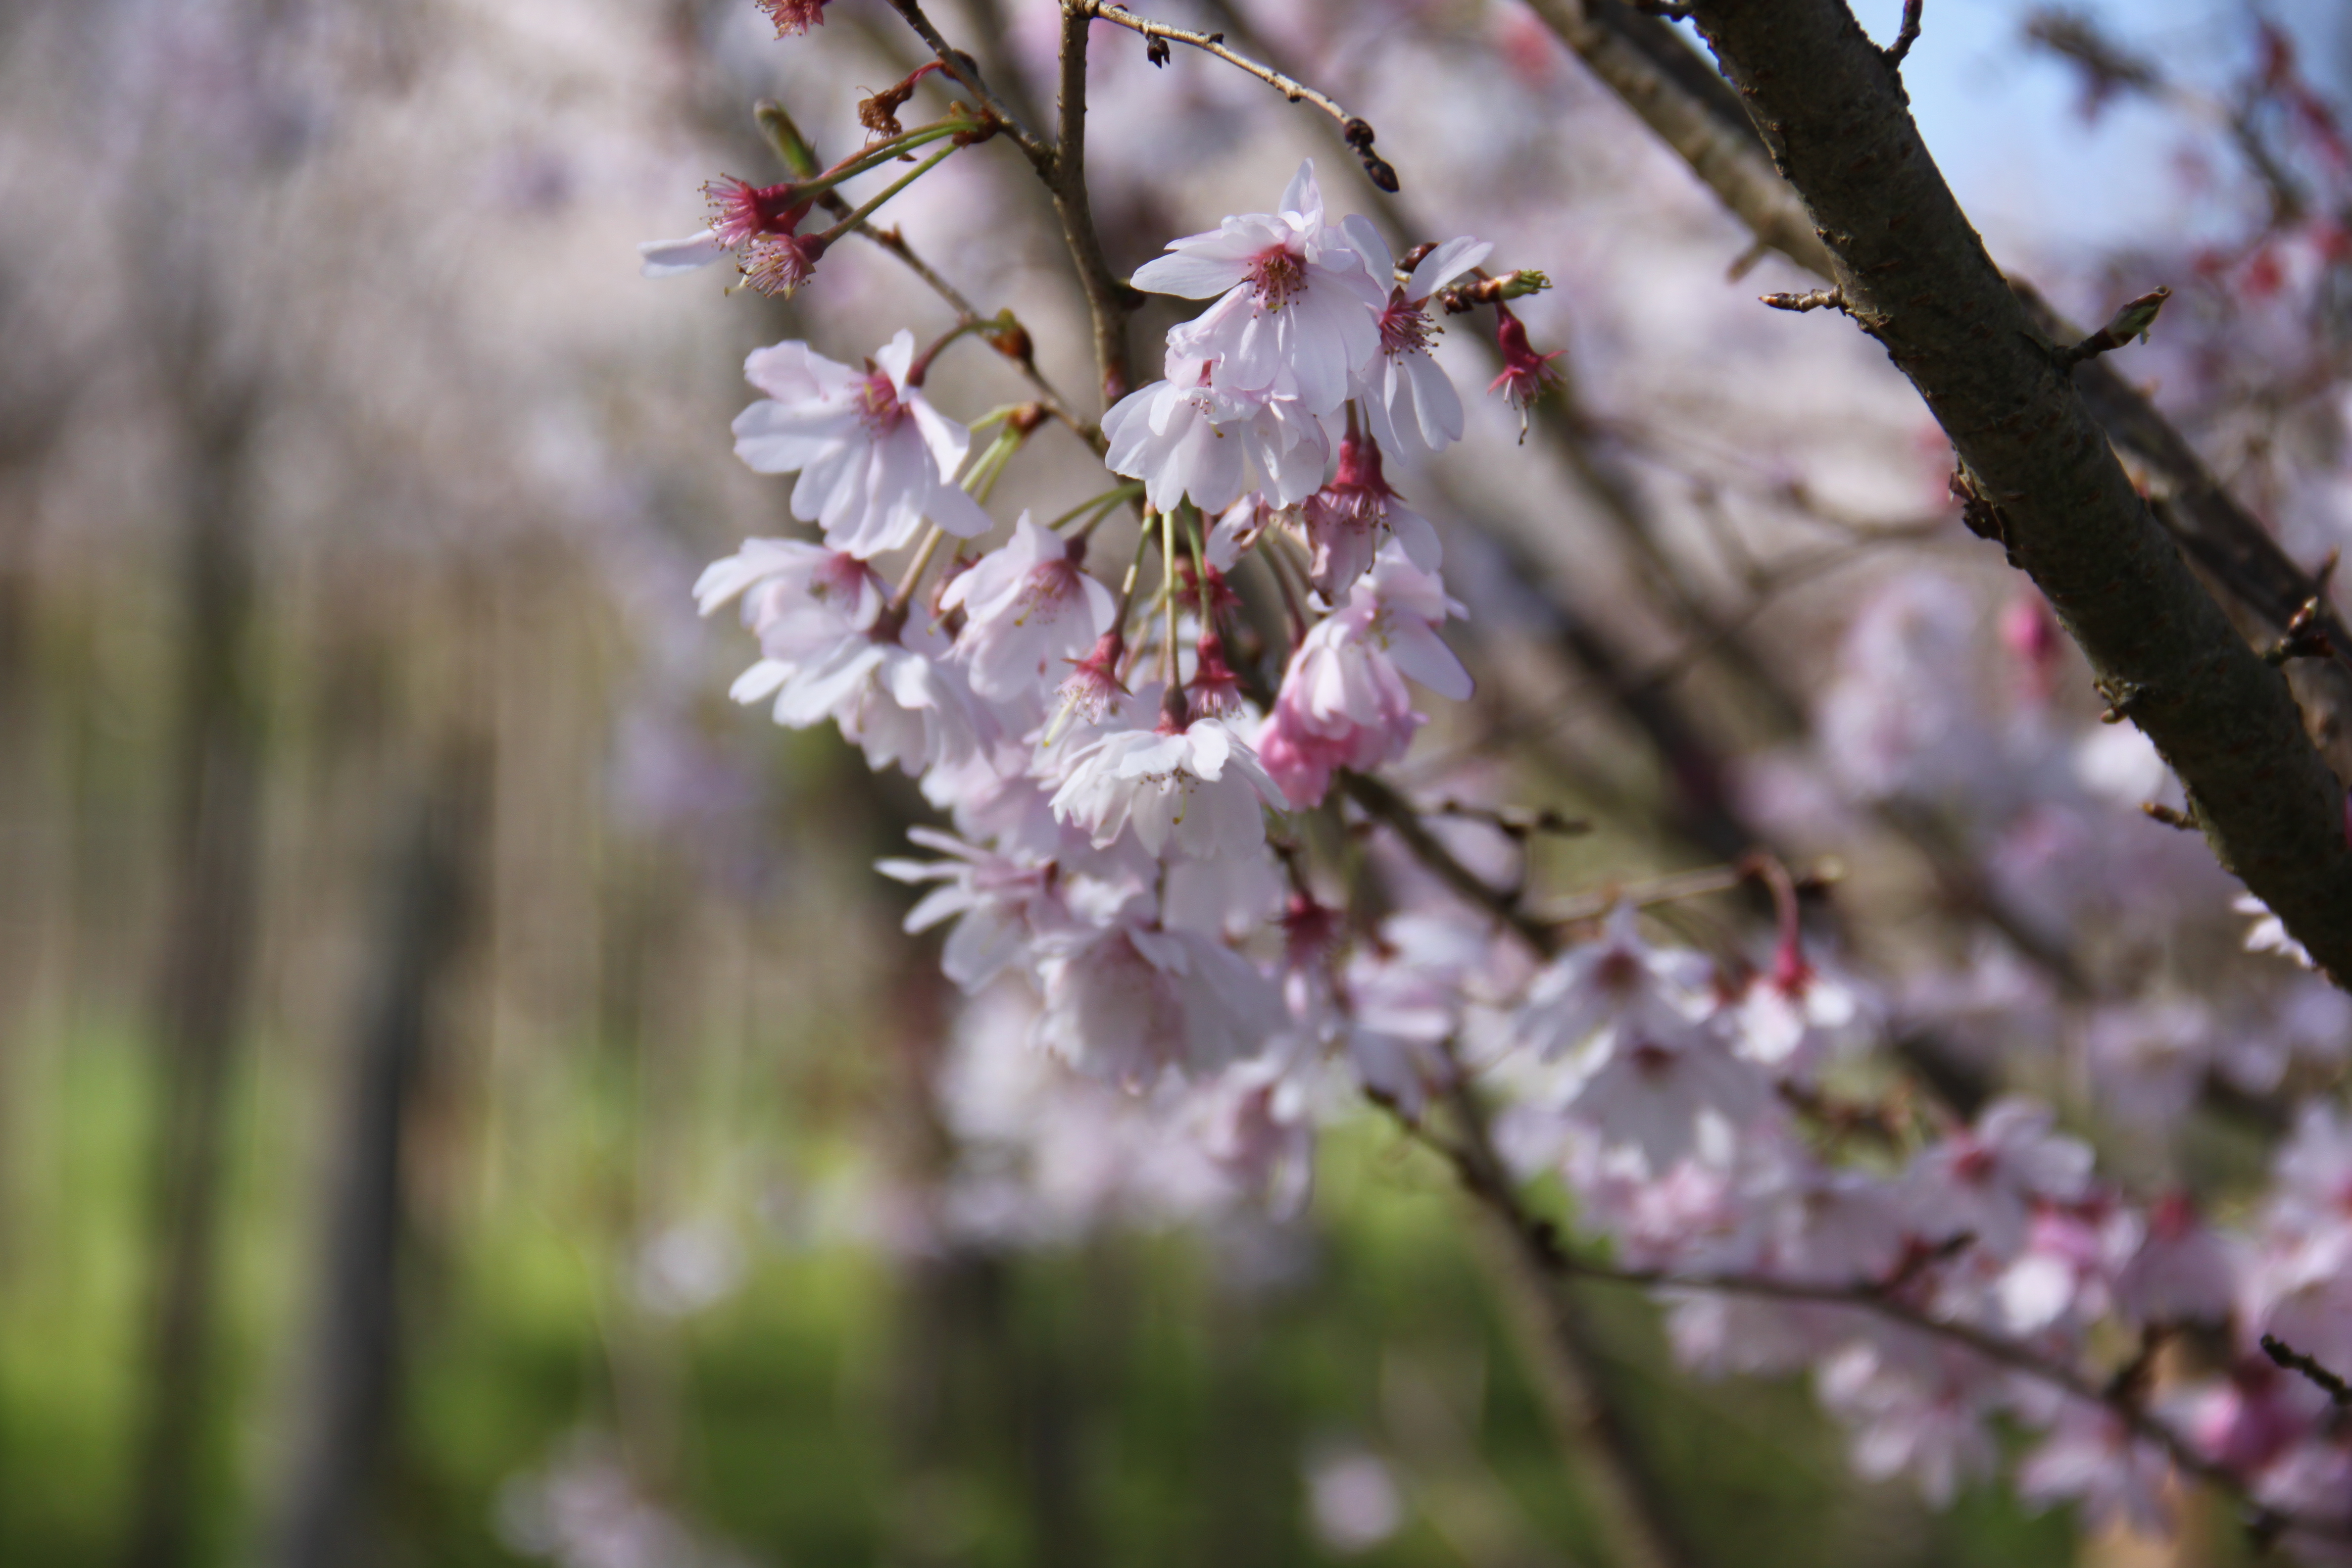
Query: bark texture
{"type": "Point", "coordinates": [1831, 109]}
{"type": "Point", "coordinates": [1698, 114]}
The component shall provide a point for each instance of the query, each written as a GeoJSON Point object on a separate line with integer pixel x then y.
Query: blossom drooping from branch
{"type": "Point", "coordinates": [1348, 520]}
{"type": "Point", "coordinates": [1343, 701]}
{"type": "Point", "coordinates": [1410, 403]}
{"type": "Point", "coordinates": [874, 458]}
{"type": "Point", "coordinates": [1196, 792]}
{"type": "Point", "coordinates": [1028, 606]}
{"type": "Point", "coordinates": [759, 225]}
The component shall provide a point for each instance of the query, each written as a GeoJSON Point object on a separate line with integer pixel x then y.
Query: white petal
{"type": "Point", "coordinates": [669, 258]}
{"type": "Point", "coordinates": [1188, 276]}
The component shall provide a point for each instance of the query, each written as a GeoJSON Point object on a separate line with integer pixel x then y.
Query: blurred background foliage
{"type": "Point", "coordinates": [460, 1081]}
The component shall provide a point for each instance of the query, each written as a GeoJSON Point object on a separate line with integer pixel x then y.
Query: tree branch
{"type": "Point", "coordinates": [1695, 112]}
{"type": "Point", "coordinates": [1356, 130]}
{"type": "Point", "coordinates": [1646, 63]}
{"type": "Point", "coordinates": [1536, 1242]}
{"type": "Point", "coordinates": [1918, 280]}
{"type": "Point", "coordinates": [1110, 299]}
{"type": "Point", "coordinates": [966, 72]}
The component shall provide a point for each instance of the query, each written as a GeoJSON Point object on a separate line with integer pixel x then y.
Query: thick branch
{"type": "Point", "coordinates": [1917, 278]}
{"type": "Point", "coordinates": [1698, 114]}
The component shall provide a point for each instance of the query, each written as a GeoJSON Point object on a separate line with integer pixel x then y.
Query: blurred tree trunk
{"type": "Point", "coordinates": [208, 959]}
{"type": "Point", "coordinates": [346, 1401]}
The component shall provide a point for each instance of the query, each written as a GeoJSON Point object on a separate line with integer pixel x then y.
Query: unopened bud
{"type": "Point", "coordinates": [785, 137]}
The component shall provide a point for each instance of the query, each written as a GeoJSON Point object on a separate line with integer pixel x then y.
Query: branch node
{"type": "Point", "coordinates": [2157, 811]}
{"type": "Point", "coordinates": [2305, 637]}
{"type": "Point", "coordinates": [2131, 322]}
{"type": "Point", "coordinates": [1812, 300]}
{"type": "Point", "coordinates": [1908, 34]}
{"type": "Point", "coordinates": [2122, 698]}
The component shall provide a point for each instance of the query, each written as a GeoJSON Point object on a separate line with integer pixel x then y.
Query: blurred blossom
{"type": "Point", "coordinates": [1353, 1499]}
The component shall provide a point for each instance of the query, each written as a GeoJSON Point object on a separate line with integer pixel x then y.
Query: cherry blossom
{"type": "Point", "coordinates": [1029, 606]}
{"type": "Point", "coordinates": [1349, 519]}
{"type": "Point", "coordinates": [1408, 401]}
{"type": "Point", "coordinates": [1198, 791]}
{"type": "Point", "coordinates": [1298, 309]}
{"type": "Point", "coordinates": [875, 458]}
{"type": "Point", "coordinates": [1130, 1003]}
{"type": "Point", "coordinates": [1343, 701]}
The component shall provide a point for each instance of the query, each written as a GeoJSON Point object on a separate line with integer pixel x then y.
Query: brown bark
{"type": "Point", "coordinates": [1914, 274]}
{"type": "Point", "coordinates": [1696, 112]}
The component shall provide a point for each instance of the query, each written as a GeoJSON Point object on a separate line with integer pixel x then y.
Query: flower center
{"type": "Point", "coordinates": [1278, 275]}
{"type": "Point", "coordinates": [879, 405]}
{"type": "Point", "coordinates": [1405, 329]}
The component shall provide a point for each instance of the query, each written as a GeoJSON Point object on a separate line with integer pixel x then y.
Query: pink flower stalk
{"type": "Point", "coordinates": [793, 17]}
{"type": "Point", "coordinates": [1409, 403]}
{"type": "Point", "coordinates": [874, 458]}
{"type": "Point", "coordinates": [1526, 374]}
{"type": "Point", "coordinates": [1029, 606]}
{"type": "Point", "coordinates": [1297, 313]}
{"type": "Point", "coordinates": [1348, 520]}
{"type": "Point", "coordinates": [1214, 689]}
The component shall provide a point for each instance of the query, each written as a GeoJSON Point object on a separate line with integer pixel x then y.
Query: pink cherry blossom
{"type": "Point", "coordinates": [1029, 606]}
{"type": "Point", "coordinates": [1186, 437]}
{"type": "Point", "coordinates": [1198, 791]}
{"type": "Point", "coordinates": [1983, 1182]}
{"type": "Point", "coordinates": [1349, 519]}
{"type": "Point", "coordinates": [874, 458]}
{"type": "Point", "coordinates": [1297, 308]}
{"type": "Point", "coordinates": [1130, 1003]}
{"type": "Point", "coordinates": [1343, 701]}
{"type": "Point", "coordinates": [1408, 401]}
{"type": "Point", "coordinates": [757, 224]}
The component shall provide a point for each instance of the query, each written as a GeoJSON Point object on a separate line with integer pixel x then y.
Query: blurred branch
{"type": "Point", "coordinates": [348, 1403]}
{"type": "Point", "coordinates": [1536, 1246]}
{"type": "Point", "coordinates": [1631, 1516]}
{"type": "Point", "coordinates": [1694, 111]}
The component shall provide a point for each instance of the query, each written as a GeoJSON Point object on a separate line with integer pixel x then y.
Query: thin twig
{"type": "Point", "coordinates": [2308, 1367]}
{"type": "Point", "coordinates": [795, 149]}
{"type": "Point", "coordinates": [966, 71]}
{"type": "Point", "coordinates": [1383, 803]}
{"type": "Point", "coordinates": [1908, 34]}
{"type": "Point", "coordinates": [1354, 129]}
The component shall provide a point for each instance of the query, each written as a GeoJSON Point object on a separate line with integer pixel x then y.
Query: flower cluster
{"type": "Point", "coordinates": [1173, 986]}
